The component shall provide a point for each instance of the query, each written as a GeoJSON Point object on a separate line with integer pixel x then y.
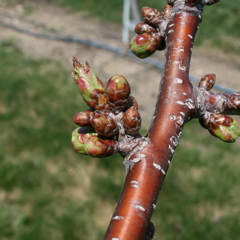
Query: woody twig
{"type": "Point", "coordinates": [112, 123]}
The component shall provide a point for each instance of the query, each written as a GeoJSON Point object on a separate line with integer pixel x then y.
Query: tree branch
{"type": "Point", "coordinates": [175, 106]}
{"type": "Point", "coordinates": [113, 122]}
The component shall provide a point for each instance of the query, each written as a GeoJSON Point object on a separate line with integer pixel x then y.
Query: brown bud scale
{"type": "Point", "coordinates": [118, 106]}
{"type": "Point", "coordinates": [143, 27]}
{"type": "Point", "coordinates": [151, 15]}
{"type": "Point", "coordinates": [103, 124]}
{"type": "Point", "coordinates": [233, 102]}
{"type": "Point", "coordinates": [207, 81]}
{"type": "Point", "coordinates": [117, 88]}
{"type": "Point", "coordinates": [132, 121]}
{"type": "Point", "coordinates": [83, 118]}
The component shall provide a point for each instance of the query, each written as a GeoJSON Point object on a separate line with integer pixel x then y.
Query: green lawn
{"type": "Point", "coordinates": [43, 184]}
{"type": "Point", "coordinates": [47, 191]}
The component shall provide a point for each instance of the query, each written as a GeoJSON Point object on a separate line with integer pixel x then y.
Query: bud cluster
{"type": "Point", "coordinates": [151, 32]}
{"type": "Point", "coordinates": [221, 126]}
{"type": "Point", "coordinates": [113, 112]}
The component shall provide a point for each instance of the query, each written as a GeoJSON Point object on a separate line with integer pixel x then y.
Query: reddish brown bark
{"type": "Point", "coordinates": [175, 105]}
{"type": "Point", "coordinates": [178, 102]}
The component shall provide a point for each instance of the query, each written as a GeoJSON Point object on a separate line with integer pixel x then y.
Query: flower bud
{"type": "Point", "coordinates": [221, 126]}
{"type": "Point", "coordinates": [77, 145]}
{"type": "Point", "coordinates": [96, 147]}
{"type": "Point", "coordinates": [103, 124]}
{"type": "Point", "coordinates": [207, 81]}
{"type": "Point", "coordinates": [143, 27]}
{"type": "Point", "coordinates": [118, 90]}
{"type": "Point", "coordinates": [144, 45]}
{"type": "Point", "coordinates": [227, 133]}
{"type": "Point", "coordinates": [151, 15]}
{"type": "Point", "coordinates": [79, 136]}
{"type": "Point", "coordinates": [83, 118]}
{"type": "Point", "coordinates": [85, 141]}
{"type": "Point", "coordinates": [88, 84]}
{"type": "Point", "coordinates": [132, 121]}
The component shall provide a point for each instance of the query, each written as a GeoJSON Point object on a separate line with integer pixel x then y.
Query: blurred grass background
{"type": "Point", "coordinates": [220, 30]}
{"type": "Point", "coordinates": [47, 191]}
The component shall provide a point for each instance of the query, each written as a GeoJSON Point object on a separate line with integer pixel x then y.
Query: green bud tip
{"type": "Point", "coordinates": [77, 145]}
{"type": "Point", "coordinates": [97, 147]}
{"type": "Point", "coordinates": [118, 88]}
{"type": "Point", "coordinates": [79, 137]}
{"type": "Point", "coordinates": [227, 133]}
{"type": "Point", "coordinates": [88, 83]}
{"type": "Point", "coordinates": [139, 45]}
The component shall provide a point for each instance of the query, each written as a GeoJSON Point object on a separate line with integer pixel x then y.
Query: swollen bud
{"type": "Point", "coordinates": [151, 15]}
{"type": "Point", "coordinates": [87, 142]}
{"type": "Point", "coordinates": [143, 27]}
{"type": "Point", "coordinates": [83, 118]}
{"type": "Point", "coordinates": [132, 121]}
{"type": "Point", "coordinates": [103, 124]}
{"type": "Point", "coordinates": [227, 133]}
{"type": "Point", "coordinates": [88, 84]}
{"type": "Point", "coordinates": [118, 90]}
{"type": "Point", "coordinates": [79, 136]}
{"type": "Point", "coordinates": [207, 81]}
{"type": "Point", "coordinates": [221, 126]}
{"type": "Point", "coordinates": [144, 45]}
{"type": "Point", "coordinates": [97, 147]}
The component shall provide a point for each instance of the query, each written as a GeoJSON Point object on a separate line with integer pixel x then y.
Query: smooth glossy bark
{"type": "Point", "coordinates": [175, 105]}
